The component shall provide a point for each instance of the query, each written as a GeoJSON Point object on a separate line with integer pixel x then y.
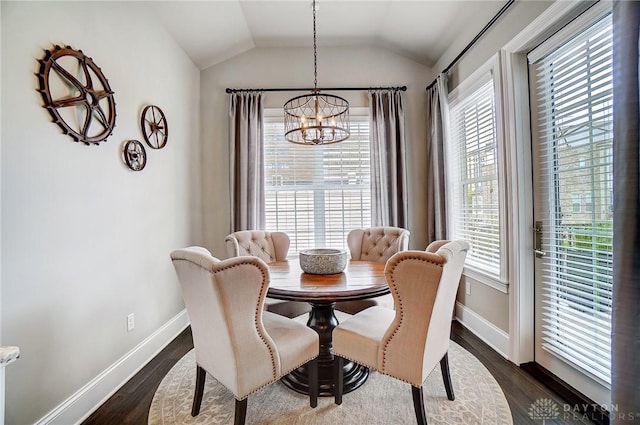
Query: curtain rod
{"type": "Point", "coordinates": [475, 39]}
{"type": "Point", "coordinates": [401, 88]}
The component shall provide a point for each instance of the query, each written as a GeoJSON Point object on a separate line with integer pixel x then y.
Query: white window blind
{"type": "Point", "coordinates": [317, 194]}
{"type": "Point", "coordinates": [473, 176]}
{"type": "Point", "coordinates": [574, 103]}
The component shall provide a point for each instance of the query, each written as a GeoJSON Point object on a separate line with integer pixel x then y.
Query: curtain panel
{"type": "Point", "coordinates": [625, 373]}
{"type": "Point", "coordinates": [388, 165]}
{"type": "Point", "coordinates": [437, 122]}
{"type": "Point", "coordinates": [246, 131]}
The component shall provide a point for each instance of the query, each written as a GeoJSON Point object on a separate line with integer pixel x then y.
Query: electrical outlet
{"type": "Point", "coordinates": [467, 288]}
{"type": "Point", "coordinates": [131, 322]}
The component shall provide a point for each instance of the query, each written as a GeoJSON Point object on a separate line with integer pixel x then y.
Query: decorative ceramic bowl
{"type": "Point", "coordinates": [323, 260]}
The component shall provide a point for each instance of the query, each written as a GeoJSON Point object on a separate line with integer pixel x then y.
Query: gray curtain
{"type": "Point", "coordinates": [246, 161]}
{"type": "Point", "coordinates": [625, 386]}
{"type": "Point", "coordinates": [437, 119]}
{"type": "Point", "coordinates": [388, 167]}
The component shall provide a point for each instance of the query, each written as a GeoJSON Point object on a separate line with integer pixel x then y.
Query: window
{"type": "Point", "coordinates": [588, 202]}
{"type": "Point", "coordinates": [576, 205]}
{"type": "Point", "coordinates": [474, 177]}
{"type": "Point", "coordinates": [317, 194]}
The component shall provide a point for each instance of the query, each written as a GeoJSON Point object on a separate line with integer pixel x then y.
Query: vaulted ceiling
{"type": "Point", "coordinates": [212, 31]}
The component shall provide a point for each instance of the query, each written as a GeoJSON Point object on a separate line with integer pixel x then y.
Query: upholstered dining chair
{"type": "Point", "coordinates": [374, 244]}
{"type": "Point", "coordinates": [408, 342]}
{"type": "Point", "coordinates": [270, 247]}
{"type": "Point", "coordinates": [242, 346]}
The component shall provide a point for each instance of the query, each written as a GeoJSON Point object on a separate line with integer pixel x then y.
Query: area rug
{"type": "Point", "coordinates": [380, 401]}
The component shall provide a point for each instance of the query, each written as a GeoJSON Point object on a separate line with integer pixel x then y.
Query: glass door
{"type": "Point", "coordinates": [570, 79]}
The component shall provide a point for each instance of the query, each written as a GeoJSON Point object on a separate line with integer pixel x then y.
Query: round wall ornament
{"type": "Point", "coordinates": [154, 127]}
{"type": "Point", "coordinates": [77, 95]}
{"type": "Point", "coordinates": [135, 156]}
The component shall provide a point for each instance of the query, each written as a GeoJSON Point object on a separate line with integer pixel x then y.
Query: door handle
{"type": "Point", "coordinates": [538, 240]}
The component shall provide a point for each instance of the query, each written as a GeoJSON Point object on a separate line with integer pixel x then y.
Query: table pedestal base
{"type": "Point", "coordinates": [323, 320]}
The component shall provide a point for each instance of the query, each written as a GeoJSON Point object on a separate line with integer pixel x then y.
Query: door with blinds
{"type": "Point", "coordinates": [570, 78]}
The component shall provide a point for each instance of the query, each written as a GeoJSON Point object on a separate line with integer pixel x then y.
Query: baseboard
{"type": "Point", "coordinates": [580, 406]}
{"type": "Point", "coordinates": [493, 336]}
{"type": "Point", "coordinates": [87, 399]}
{"type": "Point", "coordinates": [1, 395]}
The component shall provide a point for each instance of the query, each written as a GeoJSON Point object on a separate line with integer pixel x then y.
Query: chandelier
{"type": "Point", "coordinates": [316, 118]}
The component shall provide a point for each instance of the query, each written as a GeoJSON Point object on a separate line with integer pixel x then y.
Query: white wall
{"type": "Point", "coordinates": [86, 241]}
{"type": "Point", "coordinates": [514, 20]}
{"type": "Point", "coordinates": [293, 67]}
{"type": "Point", "coordinates": [490, 305]}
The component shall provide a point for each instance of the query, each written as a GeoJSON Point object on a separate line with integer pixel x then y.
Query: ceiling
{"type": "Point", "coordinates": [212, 31]}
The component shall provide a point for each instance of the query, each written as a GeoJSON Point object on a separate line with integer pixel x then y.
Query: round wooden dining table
{"type": "Point", "coordinates": [359, 280]}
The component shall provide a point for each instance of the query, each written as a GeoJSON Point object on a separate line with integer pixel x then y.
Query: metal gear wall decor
{"type": "Point", "coordinates": [135, 156]}
{"type": "Point", "coordinates": [154, 127]}
{"type": "Point", "coordinates": [77, 95]}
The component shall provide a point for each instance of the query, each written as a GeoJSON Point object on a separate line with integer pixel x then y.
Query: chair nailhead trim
{"type": "Point", "coordinates": [376, 369]}
{"type": "Point", "coordinates": [257, 312]}
{"type": "Point", "coordinates": [276, 379]}
{"type": "Point", "coordinates": [399, 306]}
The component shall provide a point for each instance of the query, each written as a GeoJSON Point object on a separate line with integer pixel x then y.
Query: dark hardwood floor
{"type": "Point", "coordinates": [130, 405]}
{"type": "Point", "coordinates": [520, 388]}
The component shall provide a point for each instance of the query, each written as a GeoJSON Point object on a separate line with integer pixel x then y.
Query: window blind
{"type": "Point", "coordinates": [574, 103]}
{"type": "Point", "coordinates": [317, 194]}
{"type": "Point", "coordinates": [474, 176]}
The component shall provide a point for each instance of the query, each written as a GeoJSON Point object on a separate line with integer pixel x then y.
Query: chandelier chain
{"type": "Point", "coordinates": [315, 52]}
{"type": "Point", "coordinates": [316, 119]}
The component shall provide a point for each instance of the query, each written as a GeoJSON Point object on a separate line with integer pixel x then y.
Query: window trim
{"type": "Point", "coordinates": [515, 82]}
{"type": "Point", "coordinates": [467, 87]}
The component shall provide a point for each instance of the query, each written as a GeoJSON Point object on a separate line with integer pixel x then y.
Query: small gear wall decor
{"type": "Point", "coordinates": [154, 127]}
{"type": "Point", "coordinates": [135, 156]}
{"type": "Point", "coordinates": [77, 95]}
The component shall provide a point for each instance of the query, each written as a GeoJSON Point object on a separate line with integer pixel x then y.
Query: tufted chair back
{"type": "Point", "coordinates": [377, 243]}
{"type": "Point", "coordinates": [374, 244]}
{"type": "Point", "coordinates": [268, 246]}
